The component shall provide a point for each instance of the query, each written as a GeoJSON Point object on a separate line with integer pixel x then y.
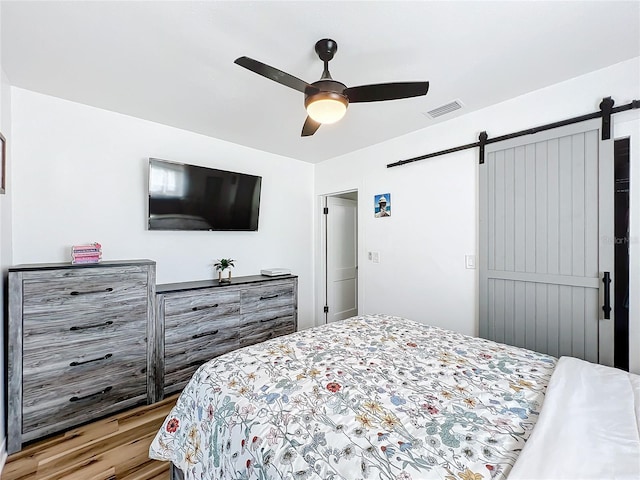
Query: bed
{"type": "Point", "coordinates": [378, 397]}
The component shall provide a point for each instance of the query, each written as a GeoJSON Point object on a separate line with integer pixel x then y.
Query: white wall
{"type": "Point", "coordinates": [80, 175]}
{"type": "Point", "coordinates": [421, 274]}
{"type": "Point", "coordinates": [5, 237]}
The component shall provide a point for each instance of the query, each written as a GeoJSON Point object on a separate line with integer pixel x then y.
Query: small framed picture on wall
{"type": "Point", "coordinates": [3, 166]}
{"type": "Point", "coordinates": [382, 205]}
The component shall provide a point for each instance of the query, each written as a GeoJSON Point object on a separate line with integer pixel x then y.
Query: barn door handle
{"type": "Point", "coordinates": [606, 308]}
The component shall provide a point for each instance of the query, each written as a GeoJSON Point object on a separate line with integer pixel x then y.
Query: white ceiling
{"type": "Point", "coordinates": [172, 62]}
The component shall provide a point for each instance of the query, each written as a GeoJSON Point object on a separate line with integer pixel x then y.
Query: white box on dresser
{"type": "Point", "coordinates": [77, 346]}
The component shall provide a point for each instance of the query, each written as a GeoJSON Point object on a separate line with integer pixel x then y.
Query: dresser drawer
{"type": "Point", "coordinates": [68, 387]}
{"type": "Point", "coordinates": [47, 332]}
{"type": "Point", "coordinates": [71, 294]}
{"type": "Point", "coordinates": [76, 361]}
{"type": "Point", "coordinates": [199, 326]}
{"type": "Point", "coordinates": [256, 332]}
{"type": "Point", "coordinates": [182, 359]}
{"type": "Point", "coordinates": [76, 404]}
{"type": "Point", "coordinates": [191, 311]}
{"type": "Point", "coordinates": [267, 302]}
{"type": "Point", "coordinates": [57, 287]}
{"type": "Point", "coordinates": [268, 311]}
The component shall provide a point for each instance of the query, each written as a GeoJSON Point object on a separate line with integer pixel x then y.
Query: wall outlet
{"type": "Point", "coordinates": [375, 257]}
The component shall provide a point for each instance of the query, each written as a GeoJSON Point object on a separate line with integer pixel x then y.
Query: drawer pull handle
{"type": "Point", "coordinates": [200, 335]}
{"type": "Point", "coordinates": [106, 357]}
{"type": "Point", "coordinates": [75, 292]}
{"type": "Point", "coordinates": [96, 325]}
{"type": "Point", "coordinates": [269, 319]}
{"type": "Point", "coordinates": [195, 309]}
{"type": "Point", "coordinates": [268, 297]}
{"type": "Point", "coordinates": [86, 397]}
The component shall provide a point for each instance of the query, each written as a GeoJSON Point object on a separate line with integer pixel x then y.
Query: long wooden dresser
{"type": "Point", "coordinates": [86, 341]}
{"type": "Point", "coordinates": [201, 320]}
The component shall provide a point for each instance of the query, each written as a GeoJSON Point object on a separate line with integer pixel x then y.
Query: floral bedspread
{"type": "Point", "coordinates": [370, 397]}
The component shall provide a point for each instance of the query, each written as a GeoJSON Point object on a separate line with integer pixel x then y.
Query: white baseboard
{"type": "Point", "coordinates": [3, 454]}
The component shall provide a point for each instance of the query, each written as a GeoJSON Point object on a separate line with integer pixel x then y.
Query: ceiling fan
{"type": "Point", "coordinates": [326, 100]}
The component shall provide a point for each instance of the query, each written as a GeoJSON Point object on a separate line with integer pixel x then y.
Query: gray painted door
{"type": "Point", "coordinates": [546, 230]}
{"type": "Point", "coordinates": [342, 259]}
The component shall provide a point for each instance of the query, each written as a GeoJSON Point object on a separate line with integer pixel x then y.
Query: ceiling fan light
{"type": "Point", "coordinates": [326, 107]}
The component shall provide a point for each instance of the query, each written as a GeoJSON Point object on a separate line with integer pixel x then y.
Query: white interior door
{"type": "Point", "coordinates": [342, 258]}
{"type": "Point", "coordinates": [546, 230]}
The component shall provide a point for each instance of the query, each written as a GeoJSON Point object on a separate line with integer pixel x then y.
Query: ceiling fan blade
{"type": "Point", "coordinates": [386, 91]}
{"type": "Point", "coordinates": [274, 74]}
{"type": "Point", "coordinates": [310, 127]}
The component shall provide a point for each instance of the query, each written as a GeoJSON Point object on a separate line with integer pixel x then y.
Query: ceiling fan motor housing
{"type": "Point", "coordinates": [328, 89]}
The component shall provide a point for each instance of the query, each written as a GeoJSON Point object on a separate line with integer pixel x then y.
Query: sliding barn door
{"type": "Point", "coordinates": [546, 240]}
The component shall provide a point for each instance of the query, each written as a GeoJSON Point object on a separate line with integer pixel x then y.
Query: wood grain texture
{"type": "Point", "coordinates": [155, 353]}
{"type": "Point", "coordinates": [198, 326]}
{"type": "Point", "coordinates": [268, 311]}
{"type": "Point", "coordinates": [60, 289]}
{"type": "Point", "coordinates": [14, 364]}
{"type": "Point", "coordinates": [80, 348]}
{"type": "Point", "coordinates": [203, 323]}
{"type": "Point", "coordinates": [152, 335]}
{"type": "Point", "coordinates": [114, 448]}
{"type": "Point", "coordinates": [257, 302]}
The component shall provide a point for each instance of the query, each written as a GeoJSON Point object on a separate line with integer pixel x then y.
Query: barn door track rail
{"type": "Point", "coordinates": [606, 110]}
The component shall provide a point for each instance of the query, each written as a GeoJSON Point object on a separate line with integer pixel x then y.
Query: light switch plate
{"type": "Point", "coordinates": [470, 261]}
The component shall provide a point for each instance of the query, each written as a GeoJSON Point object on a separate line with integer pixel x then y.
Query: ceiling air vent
{"type": "Point", "coordinates": [444, 109]}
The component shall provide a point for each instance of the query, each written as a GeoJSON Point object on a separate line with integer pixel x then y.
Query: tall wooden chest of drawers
{"type": "Point", "coordinates": [77, 345]}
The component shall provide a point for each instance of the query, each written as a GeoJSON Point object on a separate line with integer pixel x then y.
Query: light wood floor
{"type": "Point", "coordinates": [114, 448]}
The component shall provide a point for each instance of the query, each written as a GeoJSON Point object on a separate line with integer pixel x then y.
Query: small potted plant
{"type": "Point", "coordinates": [222, 265]}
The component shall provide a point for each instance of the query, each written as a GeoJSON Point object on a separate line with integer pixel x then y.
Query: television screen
{"type": "Point", "coordinates": [188, 197]}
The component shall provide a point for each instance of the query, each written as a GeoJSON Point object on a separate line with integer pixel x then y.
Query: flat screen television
{"type": "Point", "coordinates": [189, 197]}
